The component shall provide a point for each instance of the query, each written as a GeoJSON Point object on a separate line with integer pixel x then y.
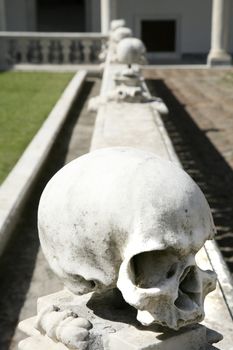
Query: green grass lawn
{"type": "Point", "coordinates": [26, 99]}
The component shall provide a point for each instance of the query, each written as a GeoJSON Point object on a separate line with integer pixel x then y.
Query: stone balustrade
{"type": "Point", "coordinates": [50, 48]}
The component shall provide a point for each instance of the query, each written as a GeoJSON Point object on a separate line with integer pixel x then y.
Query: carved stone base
{"type": "Point", "coordinates": [219, 58]}
{"type": "Point", "coordinates": [113, 322]}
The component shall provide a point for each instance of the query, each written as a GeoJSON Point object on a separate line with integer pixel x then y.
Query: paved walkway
{"type": "Point", "coordinates": [200, 124]}
{"type": "Point", "coordinates": [24, 273]}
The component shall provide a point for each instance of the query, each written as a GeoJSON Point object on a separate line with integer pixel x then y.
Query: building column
{"type": "Point", "coordinates": [2, 28]}
{"type": "Point", "coordinates": [220, 33]}
{"type": "Point", "coordinates": [106, 15]}
{"type": "Point", "coordinates": [2, 15]}
{"type": "Point", "coordinates": [113, 9]}
{"type": "Point", "coordinates": [31, 10]}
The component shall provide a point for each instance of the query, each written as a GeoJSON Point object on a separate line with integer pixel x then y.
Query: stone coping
{"type": "Point", "coordinates": [91, 69]}
{"type": "Point", "coordinates": [185, 66]}
{"type": "Point", "coordinates": [17, 186]}
{"type": "Point", "coordinates": [54, 35]}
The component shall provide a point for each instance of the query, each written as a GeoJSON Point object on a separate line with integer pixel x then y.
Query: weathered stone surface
{"type": "Point", "coordinates": [114, 327]}
{"type": "Point", "coordinates": [193, 338]}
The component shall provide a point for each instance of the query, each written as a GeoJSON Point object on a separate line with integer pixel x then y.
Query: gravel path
{"type": "Point", "coordinates": [200, 125]}
{"type": "Point", "coordinates": [24, 273]}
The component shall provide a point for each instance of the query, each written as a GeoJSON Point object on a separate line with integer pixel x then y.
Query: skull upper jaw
{"type": "Point", "coordinates": [173, 301]}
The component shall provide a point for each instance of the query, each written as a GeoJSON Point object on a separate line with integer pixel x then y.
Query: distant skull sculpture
{"type": "Point", "coordinates": [120, 33]}
{"type": "Point", "coordinates": [131, 50]}
{"type": "Point", "coordinates": [117, 23]}
{"type": "Point", "coordinates": [124, 217]}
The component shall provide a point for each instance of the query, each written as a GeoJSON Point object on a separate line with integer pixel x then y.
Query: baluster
{"type": "Point", "coordinates": [94, 51]}
{"type": "Point", "coordinates": [97, 50]}
{"type": "Point", "coordinates": [35, 51]}
{"type": "Point", "coordinates": [13, 51]}
{"type": "Point", "coordinates": [56, 51]}
{"type": "Point", "coordinates": [103, 49]}
{"type": "Point", "coordinates": [76, 52]}
{"type": "Point", "coordinates": [45, 49]}
{"type": "Point", "coordinates": [23, 50]}
{"type": "Point", "coordinates": [3, 52]}
{"type": "Point", "coordinates": [87, 50]}
{"type": "Point", "coordinates": [66, 50]}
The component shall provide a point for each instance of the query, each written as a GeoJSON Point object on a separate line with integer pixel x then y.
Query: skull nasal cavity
{"type": "Point", "coordinates": [189, 290]}
{"type": "Point", "coordinates": [151, 269]}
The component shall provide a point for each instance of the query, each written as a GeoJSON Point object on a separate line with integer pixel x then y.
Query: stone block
{"type": "Point", "coordinates": [193, 338]}
{"type": "Point", "coordinates": [113, 328]}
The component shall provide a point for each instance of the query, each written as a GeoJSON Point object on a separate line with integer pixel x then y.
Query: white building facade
{"type": "Point", "coordinates": [171, 29]}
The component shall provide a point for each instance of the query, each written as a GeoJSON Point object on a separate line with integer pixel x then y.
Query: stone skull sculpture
{"type": "Point", "coordinates": [124, 217]}
{"type": "Point", "coordinates": [117, 23]}
{"type": "Point", "coordinates": [120, 33]}
{"type": "Point", "coordinates": [131, 50]}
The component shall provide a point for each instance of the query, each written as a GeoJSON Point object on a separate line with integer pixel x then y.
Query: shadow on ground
{"type": "Point", "coordinates": [18, 262]}
{"type": "Point", "coordinates": [204, 164]}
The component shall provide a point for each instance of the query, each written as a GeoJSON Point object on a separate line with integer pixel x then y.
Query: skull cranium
{"type": "Point", "coordinates": [120, 33]}
{"type": "Point", "coordinates": [124, 217]}
{"type": "Point", "coordinates": [131, 51]}
{"type": "Point", "coordinates": [117, 23]}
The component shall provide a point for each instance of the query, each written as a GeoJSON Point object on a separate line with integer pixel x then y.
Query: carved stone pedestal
{"type": "Point", "coordinates": [113, 326]}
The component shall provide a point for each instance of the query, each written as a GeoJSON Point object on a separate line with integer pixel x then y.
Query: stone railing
{"type": "Point", "coordinates": [50, 48]}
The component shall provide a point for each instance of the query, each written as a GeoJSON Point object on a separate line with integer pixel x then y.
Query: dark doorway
{"type": "Point", "coordinates": [159, 35]}
{"type": "Point", "coordinates": [61, 15]}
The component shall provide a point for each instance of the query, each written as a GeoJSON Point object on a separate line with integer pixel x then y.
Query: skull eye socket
{"type": "Point", "coordinates": [151, 269]}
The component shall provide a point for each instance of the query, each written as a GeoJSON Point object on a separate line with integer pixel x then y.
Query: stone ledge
{"type": "Point", "coordinates": [114, 333]}
{"type": "Point", "coordinates": [130, 339]}
{"type": "Point", "coordinates": [40, 342]}
{"type": "Point", "coordinates": [92, 69]}
{"type": "Point", "coordinates": [17, 186]}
